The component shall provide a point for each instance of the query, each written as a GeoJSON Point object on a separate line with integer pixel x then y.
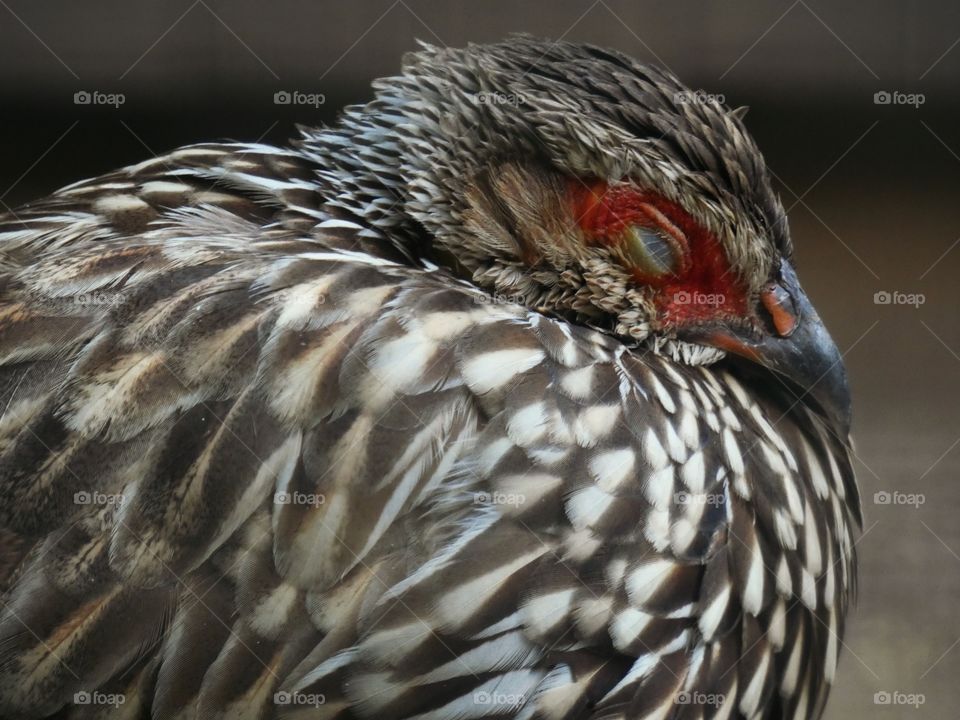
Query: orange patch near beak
{"type": "Point", "coordinates": [777, 302]}
{"type": "Point", "coordinates": [732, 344]}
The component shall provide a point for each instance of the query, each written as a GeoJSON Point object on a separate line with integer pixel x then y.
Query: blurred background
{"type": "Point", "coordinates": [872, 182]}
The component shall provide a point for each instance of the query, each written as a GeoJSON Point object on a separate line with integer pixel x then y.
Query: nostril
{"type": "Point", "coordinates": [781, 308]}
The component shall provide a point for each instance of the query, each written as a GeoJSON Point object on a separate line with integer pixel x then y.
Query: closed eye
{"type": "Point", "coordinates": [630, 222]}
{"type": "Point", "coordinates": [652, 251]}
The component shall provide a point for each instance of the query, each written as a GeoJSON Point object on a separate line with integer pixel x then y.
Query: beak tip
{"type": "Point", "coordinates": [807, 364]}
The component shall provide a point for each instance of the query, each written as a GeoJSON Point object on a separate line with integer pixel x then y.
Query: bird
{"type": "Point", "coordinates": [497, 397]}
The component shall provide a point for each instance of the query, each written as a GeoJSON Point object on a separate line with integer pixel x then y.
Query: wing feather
{"type": "Point", "coordinates": [253, 466]}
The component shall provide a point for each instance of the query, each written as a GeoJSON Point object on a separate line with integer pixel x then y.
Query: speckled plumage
{"type": "Point", "coordinates": [299, 433]}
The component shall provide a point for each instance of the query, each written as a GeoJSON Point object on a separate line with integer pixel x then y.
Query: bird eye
{"type": "Point", "coordinates": [651, 251]}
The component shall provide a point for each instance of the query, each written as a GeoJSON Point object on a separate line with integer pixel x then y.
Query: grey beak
{"type": "Point", "coordinates": [797, 347]}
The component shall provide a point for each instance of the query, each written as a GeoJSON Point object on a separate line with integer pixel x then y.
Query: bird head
{"type": "Point", "coordinates": [585, 185]}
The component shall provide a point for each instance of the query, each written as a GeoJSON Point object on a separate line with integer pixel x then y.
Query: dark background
{"type": "Point", "coordinates": [873, 193]}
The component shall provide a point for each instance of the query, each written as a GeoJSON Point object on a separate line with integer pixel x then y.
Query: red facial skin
{"type": "Point", "coordinates": [705, 288]}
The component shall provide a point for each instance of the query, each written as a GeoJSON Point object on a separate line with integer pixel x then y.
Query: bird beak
{"type": "Point", "coordinates": [795, 345]}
